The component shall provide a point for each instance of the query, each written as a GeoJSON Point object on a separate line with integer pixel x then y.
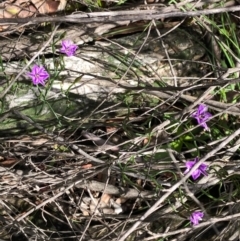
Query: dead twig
{"type": "Point", "coordinates": [114, 16]}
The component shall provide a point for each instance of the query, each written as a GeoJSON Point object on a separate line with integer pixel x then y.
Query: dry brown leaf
{"type": "Point", "coordinates": [120, 200]}
{"type": "Point", "coordinates": [39, 142]}
{"type": "Point", "coordinates": [18, 8]}
{"type": "Point", "coordinates": [26, 8]}
{"type": "Point", "coordinates": [105, 198]}
{"type": "Point", "coordinates": [8, 162]}
{"type": "Point", "coordinates": [48, 6]}
{"type": "Point", "coordinates": [86, 166]}
{"type": "Point", "coordinates": [109, 207]}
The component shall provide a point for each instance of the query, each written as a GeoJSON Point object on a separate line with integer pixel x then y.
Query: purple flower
{"type": "Point", "coordinates": [38, 74]}
{"type": "Point", "coordinates": [202, 116]}
{"type": "Point", "coordinates": [201, 169]}
{"type": "Point", "coordinates": [68, 47]}
{"type": "Point", "coordinates": [196, 217]}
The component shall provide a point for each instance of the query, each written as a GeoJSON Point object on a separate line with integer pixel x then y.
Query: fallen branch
{"type": "Point", "coordinates": [131, 15]}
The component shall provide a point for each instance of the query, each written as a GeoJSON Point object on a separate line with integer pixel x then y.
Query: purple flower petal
{"type": "Point", "coordinates": [202, 116]}
{"type": "Point", "coordinates": [38, 75]}
{"type": "Point", "coordinates": [204, 125]}
{"type": "Point", "coordinates": [68, 48]}
{"type": "Point", "coordinates": [202, 169]}
{"type": "Point", "coordinates": [189, 165]}
{"type": "Point", "coordinates": [196, 174]}
{"type": "Point", "coordinates": [202, 109]}
{"type": "Point", "coordinates": [196, 217]}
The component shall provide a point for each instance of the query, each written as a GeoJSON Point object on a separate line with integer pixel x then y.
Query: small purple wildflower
{"type": "Point", "coordinates": [202, 116]}
{"type": "Point", "coordinates": [68, 48]}
{"type": "Point", "coordinates": [38, 75]}
{"type": "Point", "coordinates": [196, 217]}
{"type": "Point", "coordinates": [201, 169]}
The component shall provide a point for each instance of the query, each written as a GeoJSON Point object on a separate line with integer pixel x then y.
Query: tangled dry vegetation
{"type": "Point", "coordinates": [99, 152]}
